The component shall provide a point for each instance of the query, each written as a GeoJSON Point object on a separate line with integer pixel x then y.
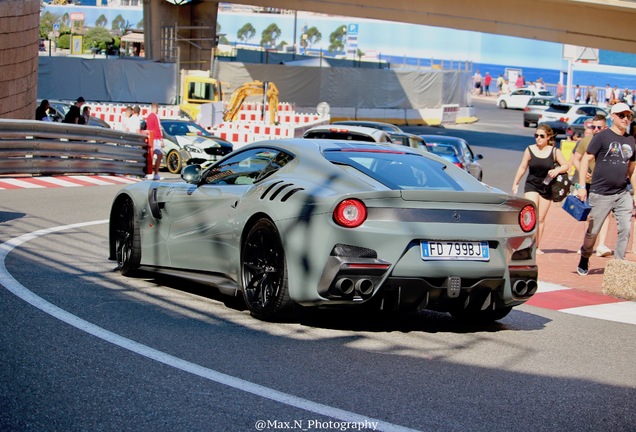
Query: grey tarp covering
{"type": "Point", "coordinates": [107, 80]}
{"type": "Point", "coordinates": [135, 81]}
{"type": "Point", "coordinates": [354, 87]}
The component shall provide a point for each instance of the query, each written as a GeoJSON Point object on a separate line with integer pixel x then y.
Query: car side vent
{"type": "Point", "coordinates": [290, 193]}
{"type": "Point", "coordinates": [272, 186]}
{"type": "Point", "coordinates": [279, 190]}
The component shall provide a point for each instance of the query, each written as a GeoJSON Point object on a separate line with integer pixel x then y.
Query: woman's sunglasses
{"type": "Point", "coordinates": [539, 136]}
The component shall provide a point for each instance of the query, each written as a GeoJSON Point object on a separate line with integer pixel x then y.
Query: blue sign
{"type": "Point", "coordinates": [56, 27]}
{"type": "Point", "coordinates": [352, 29]}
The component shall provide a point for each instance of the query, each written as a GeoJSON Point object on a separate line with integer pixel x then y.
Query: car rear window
{"type": "Point", "coordinates": [559, 108]}
{"type": "Point", "coordinates": [399, 170]}
{"type": "Point", "coordinates": [541, 102]}
{"type": "Point", "coordinates": [350, 136]}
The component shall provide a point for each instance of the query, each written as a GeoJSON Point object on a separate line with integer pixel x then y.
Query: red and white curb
{"type": "Point", "coordinates": [64, 181]}
{"type": "Point", "coordinates": [583, 303]}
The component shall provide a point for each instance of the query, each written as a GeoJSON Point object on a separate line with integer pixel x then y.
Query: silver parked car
{"type": "Point", "coordinates": [532, 112]}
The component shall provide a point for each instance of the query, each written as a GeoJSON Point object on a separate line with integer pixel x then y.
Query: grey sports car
{"type": "Point", "coordinates": [333, 223]}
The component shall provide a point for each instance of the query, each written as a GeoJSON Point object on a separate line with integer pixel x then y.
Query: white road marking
{"type": "Point", "coordinates": [19, 290]}
{"type": "Point", "coordinates": [624, 312]}
{"type": "Point", "coordinates": [550, 287]}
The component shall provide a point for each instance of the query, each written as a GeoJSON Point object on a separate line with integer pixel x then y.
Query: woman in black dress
{"type": "Point", "coordinates": [539, 160]}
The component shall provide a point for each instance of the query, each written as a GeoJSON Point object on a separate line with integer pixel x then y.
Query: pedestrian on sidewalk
{"type": "Point", "coordinates": [599, 123]}
{"type": "Point", "coordinates": [613, 152]}
{"type": "Point", "coordinates": [487, 82]}
{"type": "Point", "coordinates": [154, 124]}
{"type": "Point", "coordinates": [539, 161]}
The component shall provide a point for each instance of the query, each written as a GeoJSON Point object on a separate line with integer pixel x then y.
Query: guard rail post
{"type": "Point", "coordinates": [150, 139]}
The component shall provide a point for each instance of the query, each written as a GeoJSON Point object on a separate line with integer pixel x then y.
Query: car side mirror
{"type": "Point", "coordinates": [191, 174]}
{"type": "Point", "coordinates": [479, 156]}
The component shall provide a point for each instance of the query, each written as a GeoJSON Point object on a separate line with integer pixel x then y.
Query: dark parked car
{"type": "Point", "coordinates": [456, 150]}
{"type": "Point", "coordinates": [577, 127]}
{"type": "Point", "coordinates": [57, 111]}
{"type": "Point", "coordinates": [409, 140]}
{"type": "Point", "coordinates": [532, 112]}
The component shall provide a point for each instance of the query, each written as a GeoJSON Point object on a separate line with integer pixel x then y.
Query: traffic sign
{"type": "Point", "coordinates": [76, 16]}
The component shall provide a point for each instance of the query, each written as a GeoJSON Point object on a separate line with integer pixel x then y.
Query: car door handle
{"type": "Point", "coordinates": [234, 204]}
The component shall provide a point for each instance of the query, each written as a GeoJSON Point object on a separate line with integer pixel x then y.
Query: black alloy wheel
{"type": "Point", "coordinates": [264, 272]}
{"type": "Point", "coordinates": [127, 241]}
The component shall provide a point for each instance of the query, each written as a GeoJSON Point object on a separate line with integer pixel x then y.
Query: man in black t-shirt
{"type": "Point", "coordinates": [74, 113]}
{"type": "Point", "coordinates": [614, 154]}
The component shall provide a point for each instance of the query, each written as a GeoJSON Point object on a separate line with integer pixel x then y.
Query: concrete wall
{"type": "Point", "coordinates": [19, 35]}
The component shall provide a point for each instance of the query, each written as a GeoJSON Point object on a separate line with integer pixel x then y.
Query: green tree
{"type": "Point", "coordinates": [269, 35]}
{"type": "Point", "coordinates": [140, 24]}
{"type": "Point", "coordinates": [47, 20]}
{"type": "Point", "coordinates": [120, 26]}
{"type": "Point", "coordinates": [65, 20]}
{"type": "Point", "coordinates": [281, 46]}
{"type": "Point", "coordinates": [313, 36]}
{"type": "Point", "coordinates": [337, 39]}
{"type": "Point", "coordinates": [102, 21]}
{"type": "Point", "coordinates": [98, 37]}
{"type": "Point", "coordinates": [246, 32]}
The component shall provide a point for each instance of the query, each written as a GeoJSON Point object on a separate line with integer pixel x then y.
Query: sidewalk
{"type": "Point", "coordinates": [561, 240]}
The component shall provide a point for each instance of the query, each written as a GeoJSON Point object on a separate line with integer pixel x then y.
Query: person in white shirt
{"type": "Point", "coordinates": [132, 122]}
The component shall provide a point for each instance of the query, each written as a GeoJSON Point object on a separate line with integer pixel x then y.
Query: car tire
{"type": "Point", "coordinates": [503, 105]}
{"type": "Point", "coordinates": [174, 162]}
{"type": "Point", "coordinates": [481, 316]}
{"type": "Point", "coordinates": [126, 237]}
{"type": "Point", "coordinates": [264, 272]}
{"type": "Point", "coordinates": [526, 124]}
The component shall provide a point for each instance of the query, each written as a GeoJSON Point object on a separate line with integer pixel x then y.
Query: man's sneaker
{"type": "Point", "coordinates": [584, 264]}
{"type": "Point", "coordinates": [603, 251]}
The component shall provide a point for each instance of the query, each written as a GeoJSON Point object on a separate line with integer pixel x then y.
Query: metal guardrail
{"type": "Point", "coordinates": [38, 147]}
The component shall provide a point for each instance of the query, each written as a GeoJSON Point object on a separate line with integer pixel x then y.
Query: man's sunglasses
{"type": "Point", "coordinates": [623, 115]}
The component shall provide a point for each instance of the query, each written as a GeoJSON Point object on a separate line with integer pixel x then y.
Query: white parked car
{"type": "Point", "coordinates": [519, 98]}
{"type": "Point", "coordinates": [347, 132]}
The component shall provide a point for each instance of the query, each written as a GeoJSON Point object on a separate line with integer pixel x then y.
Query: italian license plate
{"type": "Point", "coordinates": [455, 250]}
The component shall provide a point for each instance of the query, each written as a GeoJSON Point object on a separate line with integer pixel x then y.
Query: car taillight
{"type": "Point", "coordinates": [527, 218]}
{"type": "Point", "coordinates": [564, 119]}
{"type": "Point", "coordinates": [459, 164]}
{"type": "Point", "coordinates": [350, 213]}
{"type": "Point", "coordinates": [526, 109]}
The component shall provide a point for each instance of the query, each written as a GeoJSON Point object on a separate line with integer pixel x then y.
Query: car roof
{"type": "Point", "coordinates": [387, 127]}
{"type": "Point", "coordinates": [376, 134]}
{"type": "Point", "coordinates": [442, 139]}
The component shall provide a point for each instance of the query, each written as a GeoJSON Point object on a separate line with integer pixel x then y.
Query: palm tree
{"type": "Point", "coordinates": [269, 35]}
{"type": "Point", "coordinates": [102, 21]}
{"type": "Point", "coordinates": [246, 32]}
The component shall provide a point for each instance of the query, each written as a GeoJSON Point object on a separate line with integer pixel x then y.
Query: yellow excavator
{"type": "Point", "coordinates": [254, 88]}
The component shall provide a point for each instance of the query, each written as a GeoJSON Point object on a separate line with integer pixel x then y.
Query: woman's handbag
{"type": "Point", "coordinates": [559, 187]}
